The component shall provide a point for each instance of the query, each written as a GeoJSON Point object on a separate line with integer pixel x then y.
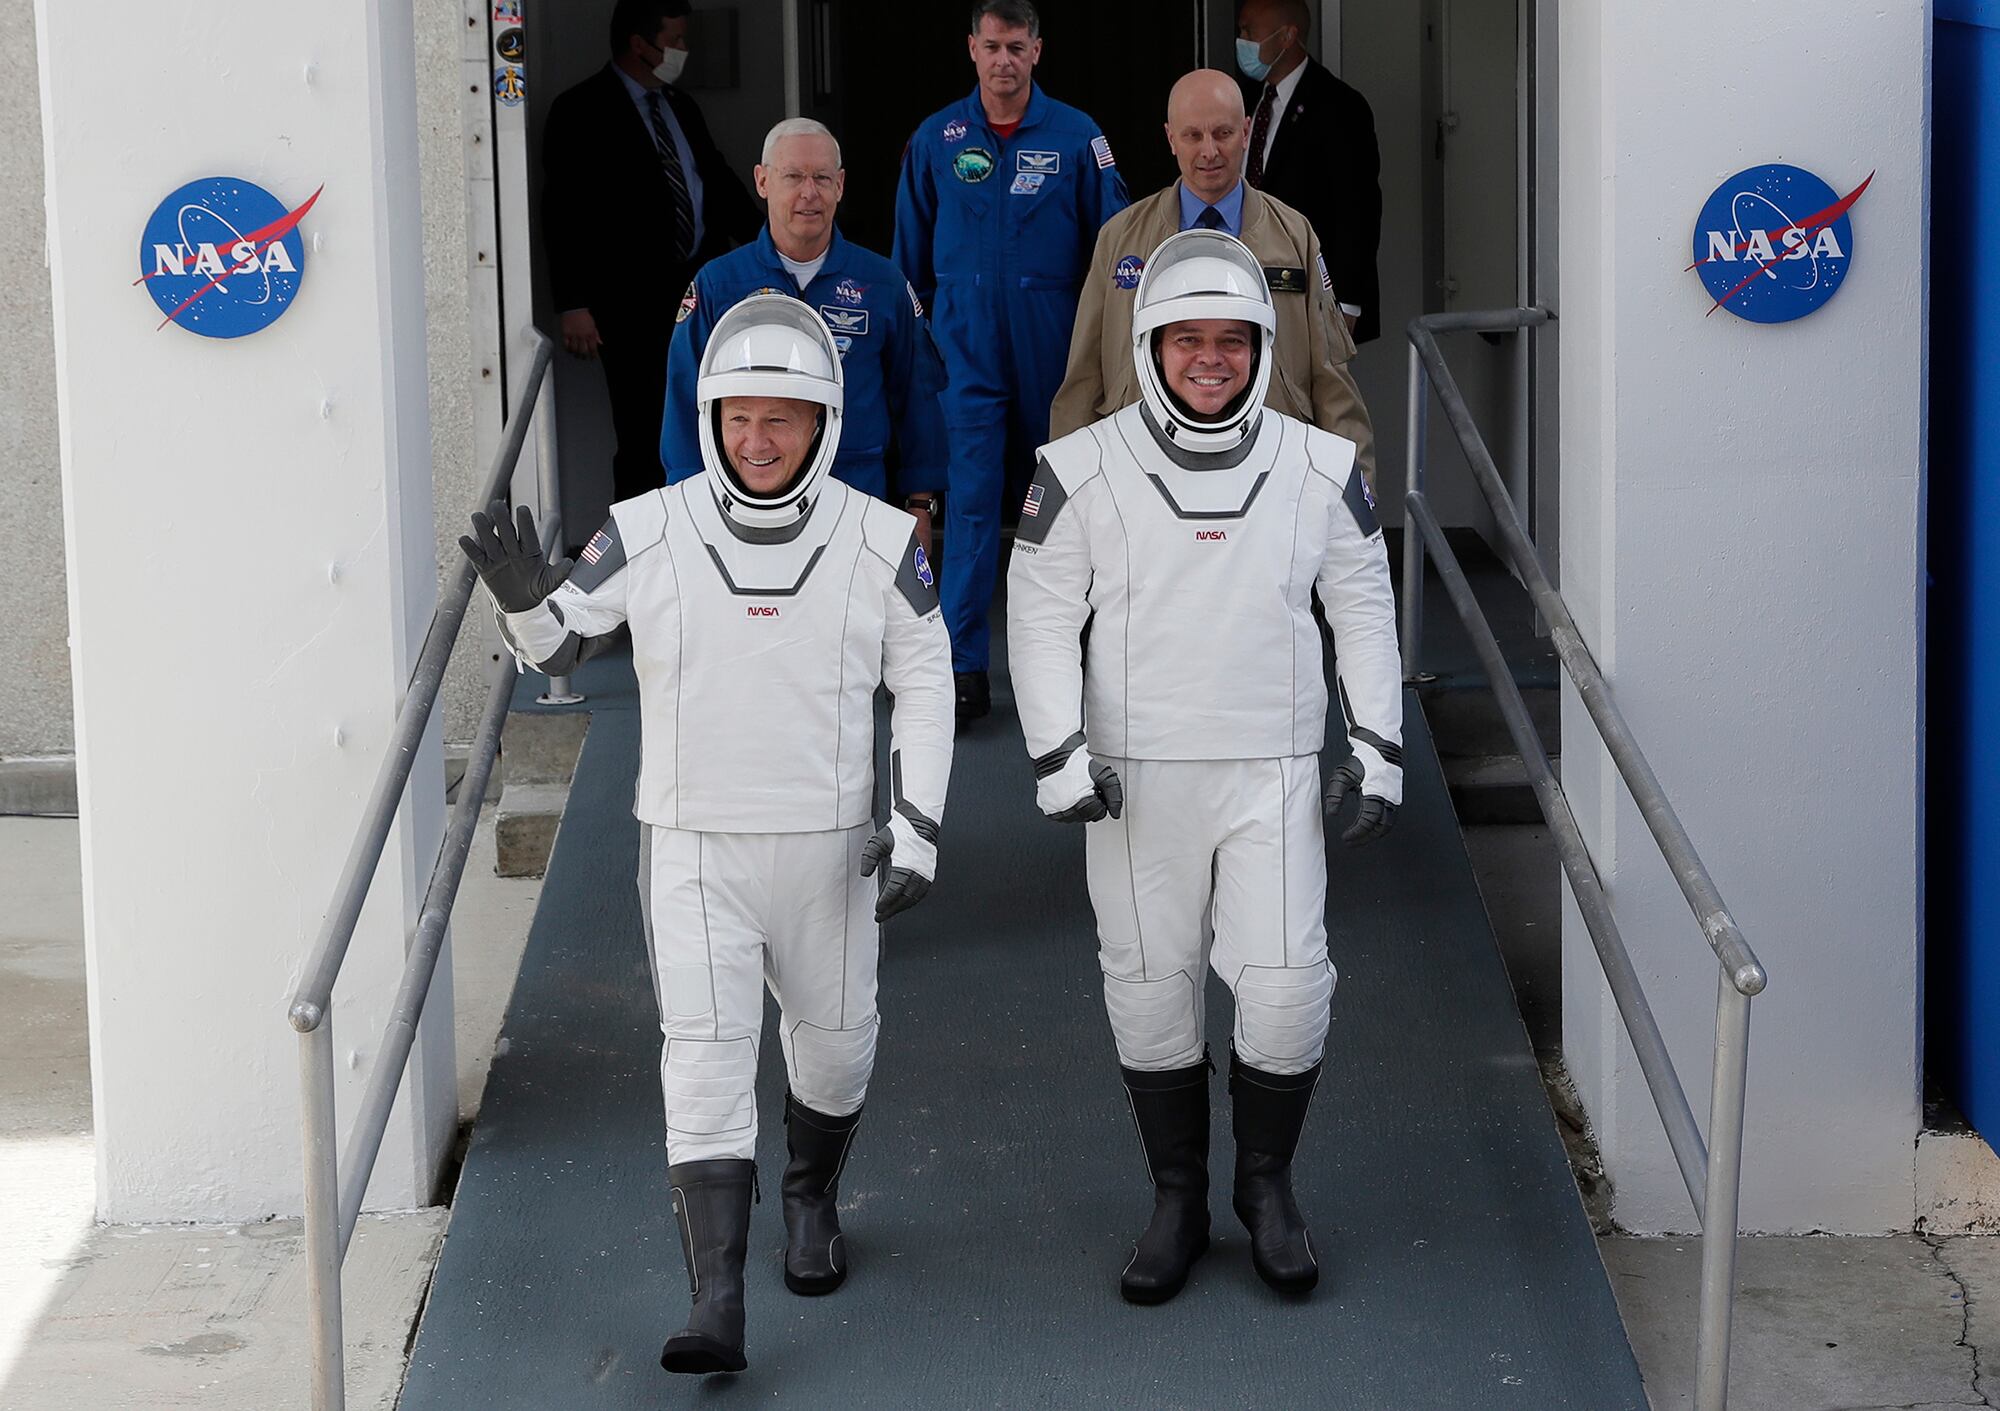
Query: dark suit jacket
{"type": "Point", "coordinates": [606, 221]}
{"type": "Point", "coordinates": [1325, 163]}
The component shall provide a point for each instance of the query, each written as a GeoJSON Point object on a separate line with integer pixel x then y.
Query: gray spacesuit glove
{"type": "Point", "coordinates": [1071, 787]}
{"type": "Point", "coordinates": [911, 858]}
{"type": "Point", "coordinates": [1374, 817]}
{"type": "Point", "coordinates": [509, 558]}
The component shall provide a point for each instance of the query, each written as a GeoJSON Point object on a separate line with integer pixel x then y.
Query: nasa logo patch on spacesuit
{"type": "Point", "coordinates": [955, 130]}
{"type": "Point", "coordinates": [973, 165]}
{"type": "Point", "coordinates": [1126, 274]}
{"type": "Point", "coordinates": [848, 292]}
{"type": "Point", "coordinates": [1027, 183]}
{"type": "Point", "coordinates": [924, 568]}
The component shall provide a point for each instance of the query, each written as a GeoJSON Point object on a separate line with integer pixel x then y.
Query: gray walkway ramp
{"type": "Point", "coordinates": [996, 1184]}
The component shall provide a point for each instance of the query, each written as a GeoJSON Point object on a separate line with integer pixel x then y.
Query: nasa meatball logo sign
{"type": "Point", "coordinates": [1774, 243]}
{"type": "Point", "coordinates": [223, 257]}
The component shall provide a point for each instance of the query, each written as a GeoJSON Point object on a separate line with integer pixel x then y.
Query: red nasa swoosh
{"type": "Point", "coordinates": [1810, 224]}
{"type": "Point", "coordinates": [260, 238]}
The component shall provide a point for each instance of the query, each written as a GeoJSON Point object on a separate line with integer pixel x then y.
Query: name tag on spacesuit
{"type": "Point", "coordinates": [1285, 279]}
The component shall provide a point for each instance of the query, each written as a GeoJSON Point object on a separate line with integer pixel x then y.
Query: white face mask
{"type": "Point", "coordinates": [672, 61]}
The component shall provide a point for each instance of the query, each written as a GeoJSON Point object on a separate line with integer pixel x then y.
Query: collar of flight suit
{"type": "Point", "coordinates": [835, 262]}
{"type": "Point", "coordinates": [1038, 108]}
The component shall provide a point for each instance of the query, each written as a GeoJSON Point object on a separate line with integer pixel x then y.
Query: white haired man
{"type": "Point", "coordinates": [892, 370]}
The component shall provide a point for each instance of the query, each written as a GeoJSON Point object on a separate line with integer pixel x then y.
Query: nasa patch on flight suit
{"type": "Point", "coordinates": [1285, 279]}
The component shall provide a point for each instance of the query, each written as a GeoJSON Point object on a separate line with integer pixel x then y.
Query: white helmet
{"type": "Point", "coordinates": [1202, 274]}
{"type": "Point", "coordinates": [769, 345]}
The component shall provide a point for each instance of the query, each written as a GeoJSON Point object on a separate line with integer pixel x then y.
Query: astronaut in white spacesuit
{"type": "Point", "coordinates": [766, 601]}
{"type": "Point", "coordinates": [1189, 531]}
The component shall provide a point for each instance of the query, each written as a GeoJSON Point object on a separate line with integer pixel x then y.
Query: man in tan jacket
{"type": "Point", "coordinates": [1208, 134]}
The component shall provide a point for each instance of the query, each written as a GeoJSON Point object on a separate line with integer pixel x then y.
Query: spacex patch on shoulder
{"type": "Point", "coordinates": [1285, 279]}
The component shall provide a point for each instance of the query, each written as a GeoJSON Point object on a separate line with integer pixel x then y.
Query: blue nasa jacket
{"type": "Point", "coordinates": [890, 368]}
{"type": "Point", "coordinates": [1054, 181]}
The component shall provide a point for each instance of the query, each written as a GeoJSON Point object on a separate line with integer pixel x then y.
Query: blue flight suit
{"type": "Point", "coordinates": [996, 236]}
{"type": "Point", "coordinates": [889, 365]}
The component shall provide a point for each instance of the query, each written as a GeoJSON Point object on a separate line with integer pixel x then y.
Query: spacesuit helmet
{"type": "Point", "coordinates": [769, 345]}
{"type": "Point", "coordinates": [1202, 274]}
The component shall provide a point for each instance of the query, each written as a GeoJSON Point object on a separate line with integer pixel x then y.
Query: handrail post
{"type": "Point", "coordinates": [1418, 422]}
{"type": "Point", "coordinates": [549, 482]}
{"type": "Point", "coordinates": [1725, 1182]}
{"type": "Point", "coordinates": [322, 1217]}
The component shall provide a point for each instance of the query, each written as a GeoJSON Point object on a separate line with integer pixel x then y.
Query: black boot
{"type": "Point", "coordinates": [1270, 1112]}
{"type": "Point", "coordinates": [1171, 1110]}
{"type": "Point", "coordinates": [974, 696]}
{"type": "Point", "coordinates": [814, 1261]}
{"type": "Point", "coordinates": [712, 1208]}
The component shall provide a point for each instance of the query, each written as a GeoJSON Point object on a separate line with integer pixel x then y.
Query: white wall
{"type": "Point", "coordinates": [35, 711]}
{"type": "Point", "coordinates": [240, 640]}
{"type": "Point", "coordinates": [1741, 544]}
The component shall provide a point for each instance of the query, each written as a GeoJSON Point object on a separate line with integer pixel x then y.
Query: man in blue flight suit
{"type": "Point", "coordinates": [890, 365]}
{"type": "Point", "coordinates": [996, 216]}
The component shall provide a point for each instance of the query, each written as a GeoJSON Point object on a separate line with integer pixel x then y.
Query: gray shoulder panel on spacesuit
{"type": "Point", "coordinates": [642, 520]}
{"type": "Point", "coordinates": [891, 535]}
{"type": "Point", "coordinates": [603, 556]}
{"type": "Point", "coordinates": [1332, 456]}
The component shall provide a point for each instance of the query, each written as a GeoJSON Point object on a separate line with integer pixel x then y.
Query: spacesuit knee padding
{"type": "Point", "coordinates": [1282, 1015]}
{"type": "Point", "coordinates": [831, 1067]}
{"type": "Point", "coordinates": [1155, 1022]}
{"type": "Point", "coordinates": [711, 1086]}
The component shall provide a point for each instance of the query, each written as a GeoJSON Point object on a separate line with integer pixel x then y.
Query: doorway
{"type": "Point", "coordinates": [873, 71]}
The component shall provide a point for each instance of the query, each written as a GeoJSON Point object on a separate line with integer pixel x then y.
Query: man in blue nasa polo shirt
{"type": "Point", "coordinates": [996, 216]}
{"type": "Point", "coordinates": [891, 368]}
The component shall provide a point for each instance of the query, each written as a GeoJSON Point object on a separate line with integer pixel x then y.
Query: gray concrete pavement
{"type": "Point", "coordinates": [106, 1318]}
{"type": "Point", "coordinates": [125, 1317]}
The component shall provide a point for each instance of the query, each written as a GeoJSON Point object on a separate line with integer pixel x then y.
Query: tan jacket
{"type": "Point", "coordinates": [1310, 381]}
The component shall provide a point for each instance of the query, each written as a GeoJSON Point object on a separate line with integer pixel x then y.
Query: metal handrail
{"type": "Point", "coordinates": [333, 1196]}
{"type": "Point", "coordinates": [1712, 1172]}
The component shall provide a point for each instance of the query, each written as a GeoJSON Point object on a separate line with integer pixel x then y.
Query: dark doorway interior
{"type": "Point", "coordinates": [873, 71]}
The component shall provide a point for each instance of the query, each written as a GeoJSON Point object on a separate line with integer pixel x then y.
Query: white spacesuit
{"type": "Point", "coordinates": [1191, 544]}
{"type": "Point", "coordinates": [761, 625]}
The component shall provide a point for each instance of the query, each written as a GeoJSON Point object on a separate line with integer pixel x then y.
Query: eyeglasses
{"type": "Point", "coordinates": [797, 180]}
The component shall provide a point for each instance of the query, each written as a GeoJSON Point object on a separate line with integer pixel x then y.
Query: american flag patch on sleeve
{"type": "Point", "coordinates": [1101, 149]}
{"type": "Point", "coordinates": [1325, 279]}
{"type": "Point", "coordinates": [1033, 504]}
{"type": "Point", "coordinates": [597, 548]}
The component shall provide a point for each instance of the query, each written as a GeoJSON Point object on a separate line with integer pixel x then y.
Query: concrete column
{"type": "Point", "coordinates": [1742, 544]}
{"type": "Point", "coordinates": [250, 573]}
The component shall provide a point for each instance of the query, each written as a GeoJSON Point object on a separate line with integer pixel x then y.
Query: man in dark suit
{"type": "Point", "coordinates": [1312, 145]}
{"type": "Point", "coordinates": [635, 198]}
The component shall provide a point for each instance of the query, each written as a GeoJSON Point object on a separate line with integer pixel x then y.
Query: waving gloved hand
{"type": "Point", "coordinates": [1074, 788]}
{"type": "Point", "coordinates": [1374, 817]}
{"type": "Point", "coordinates": [908, 847]}
{"type": "Point", "coordinates": [509, 558]}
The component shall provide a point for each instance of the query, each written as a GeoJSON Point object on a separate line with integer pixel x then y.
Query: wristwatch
{"type": "Point", "coordinates": [927, 503]}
